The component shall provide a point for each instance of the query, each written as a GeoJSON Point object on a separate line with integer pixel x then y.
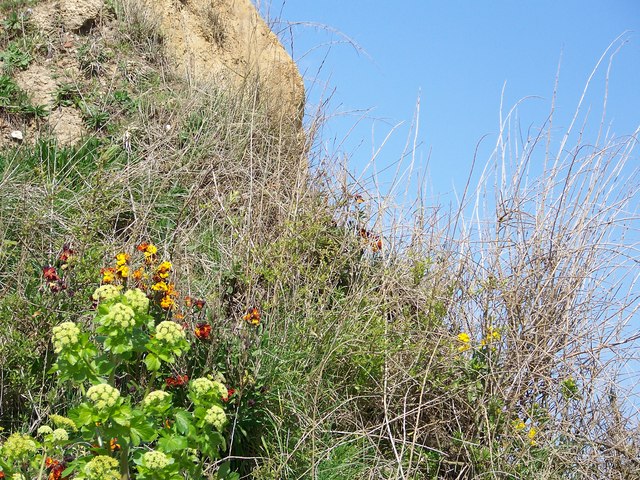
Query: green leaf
{"type": "Point", "coordinates": [82, 415]}
{"type": "Point", "coordinates": [141, 429]}
{"type": "Point", "coordinates": [152, 362]}
{"type": "Point", "coordinates": [173, 443]}
{"type": "Point", "coordinates": [183, 421]}
{"type": "Point", "coordinates": [122, 415]}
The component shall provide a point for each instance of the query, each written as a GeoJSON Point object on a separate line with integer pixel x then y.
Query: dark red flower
{"type": "Point", "coordinates": [203, 330]}
{"type": "Point", "coordinates": [67, 253]}
{"type": "Point", "coordinates": [50, 274]}
{"type": "Point", "coordinates": [230, 392]}
{"type": "Point", "coordinates": [199, 304]}
{"type": "Point", "coordinates": [177, 381]}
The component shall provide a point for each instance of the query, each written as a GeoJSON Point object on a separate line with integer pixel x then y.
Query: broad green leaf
{"type": "Point", "coordinates": [152, 362]}
{"type": "Point", "coordinates": [173, 443]}
{"type": "Point", "coordinates": [183, 421]}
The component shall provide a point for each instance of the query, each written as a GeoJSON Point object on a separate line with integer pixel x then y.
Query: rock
{"type": "Point", "coordinates": [17, 135]}
{"type": "Point", "coordinates": [227, 42]}
{"type": "Point", "coordinates": [79, 14]}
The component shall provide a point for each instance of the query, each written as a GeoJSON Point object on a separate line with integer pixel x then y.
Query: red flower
{"type": "Point", "coordinates": [66, 254]}
{"type": "Point", "coordinates": [203, 330]}
{"type": "Point", "coordinates": [177, 381]}
{"type": "Point", "coordinates": [50, 274]}
{"type": "Point", "coordinates": [230, 392]}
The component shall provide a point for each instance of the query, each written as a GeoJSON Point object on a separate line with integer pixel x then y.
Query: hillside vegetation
{"type": "Point", "coordinates": [188, 292]}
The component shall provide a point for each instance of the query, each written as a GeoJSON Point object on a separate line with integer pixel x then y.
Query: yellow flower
{"type": "Point", "coordinates": [160, 287]}
{"type": "Point", "coordinates": [122, 259]}
{"type": "Point", "coordinates": [123, 271]}
{"type": "Point", "coordinates": [108, 275]}
{"type": "Point", "coordinates": [167, 302]}
{"type": "Point", "coordinates": [465, 339]}
{"type": "Point", "coordinates": [164, 266]}
{"type": "Point", "coordinates": [519, 425]}
{"type": "Point", "coordinates": [532, 435]}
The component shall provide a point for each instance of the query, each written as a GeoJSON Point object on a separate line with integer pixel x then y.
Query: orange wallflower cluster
{"type": "Point", "coordinates": [55, 467]}
{"type": "Point", "coordinates": [373, 240]}
{"type": "Point", "coordinates": [252, 316]}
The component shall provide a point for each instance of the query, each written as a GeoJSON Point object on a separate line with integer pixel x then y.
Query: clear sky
{"type": "Point", "coordinates": [456, 56]}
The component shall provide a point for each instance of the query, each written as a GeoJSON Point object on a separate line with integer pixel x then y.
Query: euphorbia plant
{"type": "Point", "coordinates": [127, 425]}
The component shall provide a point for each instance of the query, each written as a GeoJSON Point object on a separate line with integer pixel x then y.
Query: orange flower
{"type": "Point", "coordinates": [171, 290]}
{"type": "Point", "coordinates": [203, 330]}
{"type": "Point", "coordinates": [108, 275]}
{"type": "Point", "coordinates": [114, 446]}
{"type": "Point", "coordinates": [190, 301]}
{"type": "Point", "coordinates": [358, 198]}
{"type": "Point", "coordinates": [167, 302]}
{"type": "Point", "coordinates": [252, 316]}
{"type": "Point", "coordinates": [55, 468]}
{"type": "Point", "coordinates": [138, 274]}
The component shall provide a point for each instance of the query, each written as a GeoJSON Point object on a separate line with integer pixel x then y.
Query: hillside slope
{"type": "Point", "coordinates": [181, 296]}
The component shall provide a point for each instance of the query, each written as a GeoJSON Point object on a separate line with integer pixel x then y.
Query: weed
{"type": "Point", "coordinates": [67, 95]}
{"type": "Point", "coordinates": [16, 56]}
{"type": "Point", "coordinates": [94, 117]}
{"type": "Point", "coordinates": [16, 24]}
{"type": "Point", "coordinates": [91, 57]}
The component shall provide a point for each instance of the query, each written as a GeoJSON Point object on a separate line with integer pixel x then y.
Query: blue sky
{"type": "Point", "coordinates": [456, 56]}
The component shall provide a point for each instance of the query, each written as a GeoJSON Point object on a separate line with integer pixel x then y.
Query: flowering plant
{"type": "Point", "coordinates": [131, 423]}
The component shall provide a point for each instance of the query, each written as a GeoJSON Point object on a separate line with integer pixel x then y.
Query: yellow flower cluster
{"type": "Point", "coordinates": [155, 460]}
{"type": "Point", "coordinates": [65, 335]}
{"type": "Point", "coordinates": [105, 293]}
{"type": "Point", "coordinates": [18, 445]}
{"type": "Point", "coordinates": [493, 335]}
{"type": "Point", "coordinates": [465, 341]}
{"type": "Point", "coordinates": [155, 398]}
{"type": "Point", "coordinates": [169, 332]}
{"type": "Point", "coordinates": [102, 467]}
{"type": "Point", "coordinates": [215, 416]}
{"type": "Point", "coordinates": [120, 316]}
{"type": "Point", "coordinates": [103, 396]}
{"type": "Point", "coordinates": [63, 422]}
